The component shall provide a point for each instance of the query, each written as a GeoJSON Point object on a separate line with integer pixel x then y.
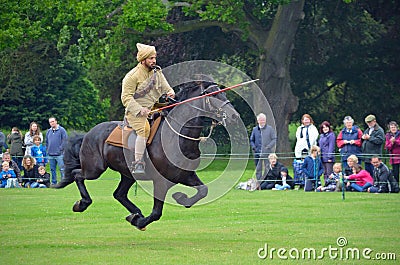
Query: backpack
{"type": "Point", "coordinates": [393, 184]}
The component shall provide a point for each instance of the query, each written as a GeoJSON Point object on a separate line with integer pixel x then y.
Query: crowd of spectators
{"type": "Point", "coordinates": [23, 164]}
{"type": "Point", "coordinates": [315, 164]}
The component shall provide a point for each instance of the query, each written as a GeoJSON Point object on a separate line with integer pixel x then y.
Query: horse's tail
{"type": "Point", "coordinates": [71, 160]}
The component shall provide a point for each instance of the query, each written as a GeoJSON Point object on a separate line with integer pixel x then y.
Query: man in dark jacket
{"type": "Point", "coordinates": [263, 142]}
{"type": "Point", "coordinates": [373, 140]}
{"type": "Point", "coordinates": [56, 138]}
{"type": "Point", "coordinates": [381, 175]}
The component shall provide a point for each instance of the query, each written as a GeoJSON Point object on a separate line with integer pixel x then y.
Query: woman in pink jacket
{"type": "Point", "coordinates": [363, 179]}
{"type": "Point", "coordinates": [392, 145]}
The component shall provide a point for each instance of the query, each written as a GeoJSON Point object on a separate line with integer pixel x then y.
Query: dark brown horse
{"type": "Point", "coordinates": [172, 157]}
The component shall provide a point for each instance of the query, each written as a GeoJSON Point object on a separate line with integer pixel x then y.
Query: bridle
{"type": "Point", "coordinates": [208, 108]}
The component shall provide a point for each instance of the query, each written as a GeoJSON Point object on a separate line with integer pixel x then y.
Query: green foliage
{"type": "Point", "coordinates": [345, 62]}
{"type": "Point", "coordinates": [37, 83]}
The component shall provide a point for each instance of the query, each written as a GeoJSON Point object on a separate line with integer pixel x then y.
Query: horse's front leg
{"type": "Point", "coordinates": [84, 203]}
{"type": "Point", "coordinates": [160, 190]}
{"type": "Point", "coordinates": [193, 181]}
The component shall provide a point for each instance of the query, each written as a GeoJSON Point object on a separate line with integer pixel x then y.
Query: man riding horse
{"type": "Point", "coordinates": [141, 88]}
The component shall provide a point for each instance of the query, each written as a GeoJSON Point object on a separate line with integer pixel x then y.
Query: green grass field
{"type": "Point", "coordinates": [37, 226]}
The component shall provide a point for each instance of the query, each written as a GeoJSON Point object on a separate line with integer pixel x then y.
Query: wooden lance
{"type": "Point", "coordinates": [205, 95]}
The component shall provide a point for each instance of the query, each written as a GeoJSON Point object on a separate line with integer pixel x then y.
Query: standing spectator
{"type": "Point", "coordinates": [16, 144]}
{"type": "Point", "coordinates": [373, 140]}
{"type": "Point", "coordinates": [263, 142]}
{"type": "Point", "coordinates": [381, 176]}
{"type": "Point", "coordinates": [31, 171]}
{"type": "Point", "coordinates": [34, 130]}
{"type": "Point", "coordinates": [306, 136]}
{"type": "Point", "coordinates": [38, 151]}
{"type": "Point", "coordinates": [362, 178]}
{"type": "Point", "coordinates": [312, 168]}
{"type": "Point", "coordinates": [349, 140]}
{"type": "Point", "coordinates": [3, 143]}
{"type": "Point", "coordinates": [56, 138]}
{"type": "Point", "coordinates": [327, 141]}
{"type": "Point", "coordinates": [13, 165]}
{"type": "Point", "coordinates": [392, 145]}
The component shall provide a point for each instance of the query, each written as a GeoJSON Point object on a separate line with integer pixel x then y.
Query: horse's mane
{"type": "Point", "coordinates": [185, 89]}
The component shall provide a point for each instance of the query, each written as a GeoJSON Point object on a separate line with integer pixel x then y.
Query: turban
{"type": "Point", "coordinates": [144, 51]}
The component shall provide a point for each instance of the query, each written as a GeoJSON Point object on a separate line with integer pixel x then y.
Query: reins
{"type": "Point", "coordinates": [201, 138]}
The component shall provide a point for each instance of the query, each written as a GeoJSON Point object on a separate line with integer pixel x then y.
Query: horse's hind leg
{"type": "Point", "coordinates": [84, 203]}
{"type": "Point", "coordinates": [160, 191]}
{"type": "Point", "coordinates": [121, 195]}
{"type": "Point", "coordinates": [193, 181]}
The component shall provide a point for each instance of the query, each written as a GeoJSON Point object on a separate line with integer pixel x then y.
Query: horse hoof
{"type": "Point", "coordinates": [133, 220]}
{"type": "Point", "coordinates": [76, 208]}
{"type": "Point", "coordinates": [181, 198]}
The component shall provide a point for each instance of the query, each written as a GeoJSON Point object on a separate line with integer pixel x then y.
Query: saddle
{"type": "Point", "coordinates": [121, 133]}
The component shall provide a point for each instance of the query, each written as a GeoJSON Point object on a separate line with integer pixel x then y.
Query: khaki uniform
{"type": "Point", "coordinates": [136, 81]}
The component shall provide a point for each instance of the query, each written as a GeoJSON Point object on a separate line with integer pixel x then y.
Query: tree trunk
{"type": "Point", "coordinates": [274, 66]}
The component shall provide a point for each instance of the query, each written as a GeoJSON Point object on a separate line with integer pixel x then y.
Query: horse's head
{"type": "Point", "coordinates": [208, 101]}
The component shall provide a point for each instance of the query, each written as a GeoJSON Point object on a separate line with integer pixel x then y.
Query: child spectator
{"type": "Point", "coordinates": [9, 176]}
{"type": "Point", "coordinates": [362, 177]}
{"type": "Point", "coordinates": [31, 173]}
{"type": "Point", "coordinates": [38, 151]}
{"type": "Point", "coordinates": [43, 180]}
{"type": "Point", "coordinates": [287, 182]}
{"type": "Point", "coordinates": [16, 144]}
{"type": "Point", "coordinates": [312, 168]}
{"type": "Point", "coordinates": [34, 130]}
{"type": "Point", "coordinates": [12, 165]}
{"type": "Point", "coordinates": [333, 181]}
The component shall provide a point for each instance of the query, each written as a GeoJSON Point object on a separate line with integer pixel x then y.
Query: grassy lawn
{"type": "Point", "coordinates": [37, 226]}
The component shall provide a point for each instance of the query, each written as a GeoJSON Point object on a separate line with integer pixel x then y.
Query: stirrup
{"type": "Point", "coordinates": [138, 168]}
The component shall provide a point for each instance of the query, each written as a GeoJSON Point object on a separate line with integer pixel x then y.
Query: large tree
{"type": "Point", "coordinates": [269, 28]}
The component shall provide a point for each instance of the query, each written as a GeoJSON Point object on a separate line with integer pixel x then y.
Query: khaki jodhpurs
{"type": "Point", "coordinates": [140, 124]}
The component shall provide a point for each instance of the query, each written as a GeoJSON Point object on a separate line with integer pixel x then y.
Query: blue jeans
{"type": "Point", "coordinates": [54, 160]}
{"type": "Point", "coordinates": [37, 185]}
{"type": "Point", "coordinates": [282, 187]}
{"type": "Point", "coordinates": [359, 188]}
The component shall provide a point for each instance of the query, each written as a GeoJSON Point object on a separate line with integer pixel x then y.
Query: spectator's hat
{"type": "Point", "coordinates": [370, 118]}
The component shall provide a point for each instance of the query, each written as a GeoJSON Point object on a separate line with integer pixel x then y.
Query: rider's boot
{"type": "Point", "coordinates": [140, 147]}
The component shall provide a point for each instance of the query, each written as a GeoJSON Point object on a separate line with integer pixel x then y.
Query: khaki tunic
{"type": "Point", "coordinates": [136, 81]}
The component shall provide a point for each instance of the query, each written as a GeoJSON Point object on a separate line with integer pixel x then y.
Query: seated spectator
{"type": "Point", "coordinates": [362, 178]}
{"type": "Point", "coordinates": [13, 165]}
{"type": "Point", "coordinates": [381, 176]}
{"type": "Point", "coordinates": [31, 173]}
{"type": "Point", "coordinates": [273, 173]}
{"type": "Point", "coordinates": [43, 180]}
{"type": "Point", "coordinates": [333, 181]}
{"type": "Point", "coordinates": [392, 145]}
{"type": "Point", "coordinates": [349, 140]}
{"type": "Point", "coordinates": [312, 169]}
{"type": "Point", "coordinates": [38, 151]}
{"type": "Point", "coordinates": [351, 161]}
{"type": "Point", "coordinates": [8, 177]}
{"type": "Point", "coordinates": [16, 146]}
{"type": "Point", "coordinates": [286, 182]}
